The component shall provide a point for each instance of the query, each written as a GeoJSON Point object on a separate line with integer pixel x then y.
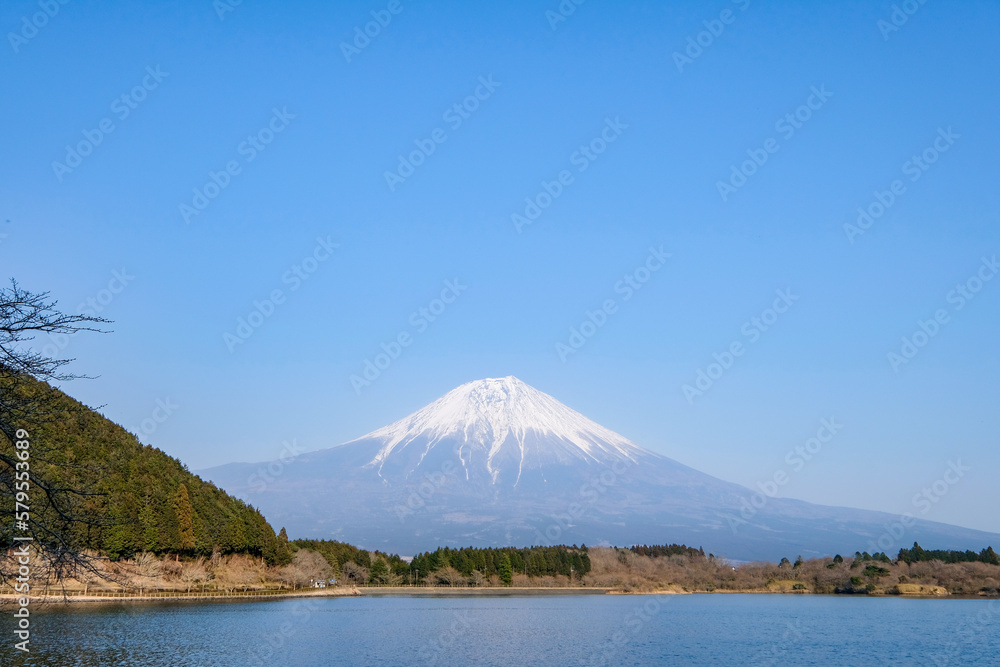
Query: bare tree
{"type": "Point", "coordinates": [449, 576]}
{"type": "Point", "coordinates": [194, 572]}
{"type": "Point", "coordinates": [27, 400]}
{"type": "Point", "coordinates": [307, 567]}
{"type": "Point", "coordinates": [239, 571]}
{"type": "Point", "coordinates": [352, 573]}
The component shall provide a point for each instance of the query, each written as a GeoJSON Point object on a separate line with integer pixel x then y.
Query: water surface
{"type": "Point", "coordinates": [517, 631]}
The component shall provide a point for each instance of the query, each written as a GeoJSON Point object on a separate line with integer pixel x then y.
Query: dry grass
{"type": "Point", "coordinates": [145, 573]}
{"type": "Point", "coordinates": [625, 571]}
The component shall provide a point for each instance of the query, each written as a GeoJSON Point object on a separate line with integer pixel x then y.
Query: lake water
{"type": "Point", "coordinates": [517, 632]}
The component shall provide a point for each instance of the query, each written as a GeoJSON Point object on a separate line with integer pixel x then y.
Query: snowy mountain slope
{"type": "Point", "coordinates": [505, 426]}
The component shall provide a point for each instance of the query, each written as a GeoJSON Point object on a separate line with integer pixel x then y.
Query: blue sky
{"type": "Point", "coordinates": [200, 89]}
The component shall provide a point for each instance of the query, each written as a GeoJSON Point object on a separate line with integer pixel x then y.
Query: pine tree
{"type": "Point", "coordinates": [185, 519]}
{"type": "Point", "coordinates": [118, 537]}
{"type": "Point", "coordinates": [506, 573]}
{"type": "Point", "coordinates": [150, 529]}
{"type": "Point", "coordinates": [987, 555]}
{"type": "Point", "coordinates": [379, 573]}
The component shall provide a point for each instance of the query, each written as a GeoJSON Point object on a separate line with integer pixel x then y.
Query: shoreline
{"type": "Point", "coordinates": [442, 592]}
{"type": "Point", "coordinates": [428, 591]}
{"type": "Point", "coordinates": [386, 591]}
{"type": "Point", "coordinates": [69, 599]}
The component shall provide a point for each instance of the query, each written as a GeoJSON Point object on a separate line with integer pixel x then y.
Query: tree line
{"type": "Point", "coordinates": [658, 550]}
{"type": "Point", "coordinates": [504, 562]}
{"type": "Point", "coordinates": [918, 554]}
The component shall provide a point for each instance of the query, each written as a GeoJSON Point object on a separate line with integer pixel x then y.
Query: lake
{"type": "Point", "coordinates": [517, 631]}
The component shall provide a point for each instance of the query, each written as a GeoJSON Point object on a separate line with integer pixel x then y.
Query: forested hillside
{"type": "Point", "coordinates": [125, 497]}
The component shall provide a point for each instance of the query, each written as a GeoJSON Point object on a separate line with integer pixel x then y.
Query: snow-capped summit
{"type": "Point", "coordinates": [504, 425]}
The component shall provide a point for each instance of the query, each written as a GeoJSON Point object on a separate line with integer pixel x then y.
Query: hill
{"type": "Point", "coordinates": [128, 497]}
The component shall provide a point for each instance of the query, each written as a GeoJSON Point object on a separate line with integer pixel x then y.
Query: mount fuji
{"type": "Point", "coordinates": [498, 463]}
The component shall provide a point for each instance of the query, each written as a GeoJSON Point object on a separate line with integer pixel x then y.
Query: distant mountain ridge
{"type": "Point", "coordinates": [496, 462]}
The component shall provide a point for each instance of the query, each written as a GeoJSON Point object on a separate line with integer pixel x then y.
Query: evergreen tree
{"type": "Point", "coordinates": [118, 540]}
{"type": "Point", "coordinates": [379, 573]}
{"type": "Point", "coordinates": [150, 529]}
{"type": "Point", "coordinates": [185, 519]}
{"type": "Point", "coordinates": [283, 551]}
{"type": "Point", "coordinates": [506, 573]}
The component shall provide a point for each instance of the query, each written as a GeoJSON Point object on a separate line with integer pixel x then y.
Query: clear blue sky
{"type": "Point", "coordinates": [552, 91]}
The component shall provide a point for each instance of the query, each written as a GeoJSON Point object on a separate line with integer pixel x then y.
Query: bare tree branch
{"type": "Point", "coordinates": [27, 400]}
